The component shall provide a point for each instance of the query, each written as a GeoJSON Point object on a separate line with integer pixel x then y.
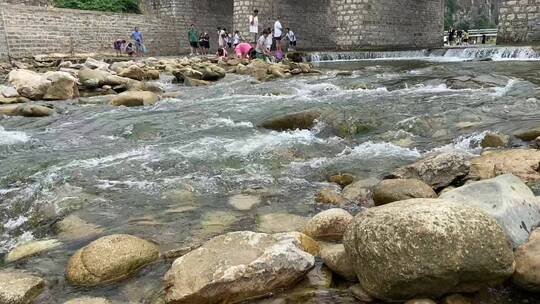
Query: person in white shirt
{"type": "Point", "coordinates": [291, 39]}
{"type": "Point", "coordinates": [254, 25]}
{"type": "Point", "coordinates": [261, 48]}
{"type": "Point", "coordinates": [269, 39]}
{"type": "Point", "coordinates": [278, 32]}
{"type": "Point", "coordinates": [221, 37]}
{"type": "Point", "coordinates": [237, 38]}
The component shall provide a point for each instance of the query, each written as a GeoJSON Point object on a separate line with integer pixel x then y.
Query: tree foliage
{"type": "Point", "coordinates": [119, 6]}
{"type": "Point", "coordinates": [450, 8]}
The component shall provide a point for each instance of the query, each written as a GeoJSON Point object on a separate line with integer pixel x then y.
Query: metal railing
{"type": "Point", "coordinates": [475, 35]}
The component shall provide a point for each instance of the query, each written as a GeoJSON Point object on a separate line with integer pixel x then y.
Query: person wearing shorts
{"type": "Point", "coordinates": [193, 37]}
{"type": "Point", "coordinates": [278, 32]}
{"type": "Point", "coordinates": [254, 25]}
{"type": "Point", "coordinates": [204, 42]}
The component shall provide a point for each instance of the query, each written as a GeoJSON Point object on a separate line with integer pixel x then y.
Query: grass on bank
{"type": "Point", "coordinates": [117, 6]}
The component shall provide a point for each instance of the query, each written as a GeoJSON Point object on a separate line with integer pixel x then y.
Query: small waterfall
{"type": "Point", "coordinates": [442, 54]}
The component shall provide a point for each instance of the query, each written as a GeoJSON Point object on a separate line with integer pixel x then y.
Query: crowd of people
{"type": "Point", "coordinates": [458, 37]}
{"type": "Point", "coordinates": [271, 44]}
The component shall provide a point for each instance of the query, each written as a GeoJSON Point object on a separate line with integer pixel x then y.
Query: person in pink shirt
{"type": "Point", "coordinates": [242, 50]}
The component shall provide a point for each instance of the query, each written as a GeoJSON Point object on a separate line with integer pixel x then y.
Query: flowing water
{"type": "Point", "coordinates": [166, 172]}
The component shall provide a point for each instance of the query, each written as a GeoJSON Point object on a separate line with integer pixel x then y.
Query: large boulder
{"type": "Point", "coordinates": [135, 99]}
{"type": "Point", "coordinates": [133, 72]}
{"type": "Point", "coordinates": [507, 199]}
{"type": "Point", "coordinates": [438, 171]}
{"type": "Point", "coordinates": [110, 258]}
{"type": "Point", "coordinates": [62, 86]}
{"type": "Point", "coordinates": [523, 163]}
{"type": "Point", "coordinates": [28, 83]}
{"type": "Point", "coordinates": [427, 248]}
{"type": "Point", "coordinates": [51, 85]}
{"type": "Point", "coordinates": [495, 140]}
{"type": "Point", "coordinates": [293, 121]}
{"type": "Point", "coordinates": [527, 258]}
{"type": "Point", "coordinates": [237, 266]}
{"type": "Point", "coordinates": [335, 258]}
{"type": "Point", "coordinates": [393, 190]}
{"type": "Point", "coordinates": [328, 225]}
{"type": "Point", "coordinates": [18, 287]}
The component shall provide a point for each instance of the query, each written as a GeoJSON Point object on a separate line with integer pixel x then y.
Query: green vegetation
{"type": "Point", "coordinates": [450, 8]}
{"type": "Point", "coordinates": [119, 6]}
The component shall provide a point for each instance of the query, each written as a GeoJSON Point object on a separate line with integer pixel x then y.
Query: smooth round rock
{"type": "Point", "coordinates": [393, 190]}
{"type": "Point", "coordinates": [329, 225]}
{"type": "Point", "coordinates": [110, 258]}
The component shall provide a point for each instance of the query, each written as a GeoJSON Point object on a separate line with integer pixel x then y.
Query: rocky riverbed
{"type": "Point", "coordinates": [189, 180]}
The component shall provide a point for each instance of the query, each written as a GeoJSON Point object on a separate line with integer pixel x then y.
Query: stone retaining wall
{"type": "Point", "coordinates": [32, 30]}
{"type": "Point", "coordinates": [351, 24]}
{"type": "Point", "coordinates": [519, 22]}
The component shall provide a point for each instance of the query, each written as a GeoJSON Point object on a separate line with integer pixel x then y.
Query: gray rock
{"type": "Point", "coordinates": [18, 287]}
{"type": "Point", "coordinates": [393, 190]}
{"type": "Point", "coordinates": [335, 258]}
{"type": "Point", "coordinates": [530, 134]}
{"type": "Point", "coordinates": [495, 140]}
{"type": "Point", "coordinates": [244, 202]}
{"type": "Point", "coordinates": [237, 266]}
{"type": "Point", "coordinates": [438, 171]}
{"type": "Point", "coordinates": [507, 199]}
{"type": "Point", "coordinates": [427, 248]}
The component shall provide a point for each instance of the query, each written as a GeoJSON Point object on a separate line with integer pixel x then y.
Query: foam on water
{"type": "Point", "coordinates": [366, 150]}
{"type": "Point", "coordinates": [12, 137]}
{"type": "Point", "coordinates": [469, 144]}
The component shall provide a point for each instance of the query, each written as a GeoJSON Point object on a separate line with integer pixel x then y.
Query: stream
{"type": "Point", "coordinates": [166, 172]}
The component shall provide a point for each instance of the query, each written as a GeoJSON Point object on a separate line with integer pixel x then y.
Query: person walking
{"type": "Point", "coordinates": [137, 37]}
{"type": "Point", "coordinates": [278, 32]}
{"type": "Point", "coordinates": [254, 25]}
{"type": "Point", "coordinates": [193, 37]}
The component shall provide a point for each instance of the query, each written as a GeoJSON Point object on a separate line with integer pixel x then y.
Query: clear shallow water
{"type": "Point", "coordinates": [132, 170]}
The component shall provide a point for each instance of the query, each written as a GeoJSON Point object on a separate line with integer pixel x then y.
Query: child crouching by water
{"type": "Point", "coordinates": [222, 54]}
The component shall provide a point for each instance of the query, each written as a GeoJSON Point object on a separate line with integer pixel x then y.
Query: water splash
{"type": "Point", "coordinates": [12, 137]}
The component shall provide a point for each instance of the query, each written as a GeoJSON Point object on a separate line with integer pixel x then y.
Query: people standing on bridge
{"type": "Point", "coordinates": [278, 32]}
{"type": "Point", "coordinates": [193, 37]}
{"type": "Point", "coordinates": [451, 36]}
{"type": "Point", "coordinates": [459, 37]}
{"type": "Point", "coordinates": [484, 37]}
{"type": "Point", "coordinates": [466, 37]}
{"type": "Point", "coordinates": [290, 38]}
{"type": "Point", "coordinates": [137, 37]}
{"type": "Point", "coordinates": [254, 25]}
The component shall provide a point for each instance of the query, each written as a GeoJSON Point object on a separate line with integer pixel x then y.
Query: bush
{"type": "Point", "coordinates": [119, 6]}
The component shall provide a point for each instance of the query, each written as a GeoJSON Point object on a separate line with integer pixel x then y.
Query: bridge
{"type": "Point", "coordinates": [31, 27]}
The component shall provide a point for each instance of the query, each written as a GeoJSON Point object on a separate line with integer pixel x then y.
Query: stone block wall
{"type": "Point", "coordinates": [351, 24]}
{"type": "Point", "coordinates": [519, 22]}
{"type": "Point", "coordinates": [32, 30]}
{"type": "Point", "coordinates": [207, 15]}
{"type": "Point", "coordinates": [3, 41]}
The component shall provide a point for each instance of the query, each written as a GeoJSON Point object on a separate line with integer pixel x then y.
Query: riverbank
{"type": "Point", "coordinates": [199, 187]}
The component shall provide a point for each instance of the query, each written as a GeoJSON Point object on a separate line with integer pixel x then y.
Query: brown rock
{"type": "Point", "coordinates": [495, 140]}
{"type": "Point", "coordinates": [457, 299]}
{"type": "Point", "coordinates": [335, 257]}
{"type": "Point", "coordinates": [523, 163]}
{"type": "Point", "coordinates": [527, 258]}
{"type": "Point", "coordinates": [393, 190]}
{"type": "Point", "coordinates": [328, 225]}
{"type": "Point", "coordinates": [135, 99]}
{"type": "Point", "coordinates": [293, 121]}
{"type": "Point", "coordinates": [329, 196]}
{"type": "Point", "coordinates": [110, 258]}
{"type": "Point", "coordinates": [342, 179]}
{"type": "Point", "coordinates": [18, 287]}
{"type": "Point", "coordinates": [529, 135]}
